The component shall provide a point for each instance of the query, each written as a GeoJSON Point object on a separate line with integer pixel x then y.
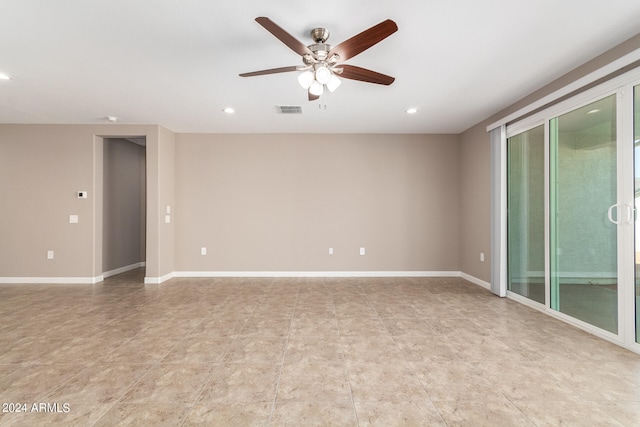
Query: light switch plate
{"type": "Point", "coordinates": [73, 219]}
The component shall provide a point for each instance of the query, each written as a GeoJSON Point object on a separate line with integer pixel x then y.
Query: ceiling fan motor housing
{"type": "Point", "coordinates": [320, 35]}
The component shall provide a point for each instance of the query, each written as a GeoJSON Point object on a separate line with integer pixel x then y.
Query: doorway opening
{"type": "Point", "coordinates": [124, 205]}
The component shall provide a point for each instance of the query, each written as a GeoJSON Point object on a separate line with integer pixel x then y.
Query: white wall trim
{"type": "Point", "coordinates": [476, 281]}
{"type": "Point", "coordinates": [52, 280]}
{"type": "Point", "coordinates": [317, 274]}
{"type": "Point", "coordinates": [123, 269]}
{"type": "Point", "coordinates": [158, 280]}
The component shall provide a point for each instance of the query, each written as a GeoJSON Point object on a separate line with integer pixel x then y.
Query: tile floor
{"type": "Point", "coordinates": [343, 352]}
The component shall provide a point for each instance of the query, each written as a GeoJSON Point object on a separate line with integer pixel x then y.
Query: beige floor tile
{"type": "Point", "coordinates": [256, 349]}
{"type": "Point", "coordinates": [141, 349]}
{"type": "Point", "coordinates": [362, 326]}
{"type": "Point", "coordinates": [325, 414]}
{"type": "Point", "coordinates": [430, 349]}
{"type": "Point", "coordinates": [455, 381]}
{"type": "Point", "coordinates": [77, 415]}
{"type": "Point", "coordinates": [27, 349]}
{"type": "Point", "coordinates": [170, 383]}
{"type": "Point", "coordinates": [242, 383]}
{"type": "Point", "coordinates": [388, 380]}
{"type": "Point", "coordinates": [626, 413]}
{"type": "Point", "coordinates": [525, 381]}
{"type": "Point", "coordinates": [303, 351]}
{"type": "Point", "coordinates": [566, 413]}
{"type": "Point", "coordinates": [31, 383]}
{"type": "Point", "coordinates": [147, 414]}
{"type": "Point", "coordinates": [99, 384]}
{"type": "Point", "coordinates": [315, 326]}
{"type": "Point", "coordinates": [230, 414]}
{"type": "Point", "coordinates": [348, 309]}
{"type": "Point", "coordinates": [218, 328]}
{"type": "Point", "coordinates": [306, 348]}
{"type": "Point", "coordinates": [314, 382]}
{"type": "Point", "coordinates": [199, 349]}
{"type": "Point", "coordinates": [261, 326]}
{"type": "Point", "coordinates": [383, 414]}
{"type": "Point", "coordinates": [483, 414]}
{"type": "Point", "coordinates": [372, 348]}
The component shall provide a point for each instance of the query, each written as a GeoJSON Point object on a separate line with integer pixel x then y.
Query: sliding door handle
{"type": "Point", "coordinates": [629, 213]}
{"type": "Point", "coordinates": [610, 214]}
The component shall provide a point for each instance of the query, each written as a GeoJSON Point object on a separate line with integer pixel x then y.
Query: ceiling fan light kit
{"type": "Point", "coordinates": [321, 69]}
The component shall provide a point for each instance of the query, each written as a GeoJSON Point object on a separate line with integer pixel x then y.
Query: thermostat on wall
{"type": "Point", "coordinates": [82, 194]}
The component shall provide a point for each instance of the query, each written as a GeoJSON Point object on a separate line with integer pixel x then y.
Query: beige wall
{"type": "Point", "coordinates": [259, 202]}
{"type": "Point", "coordinates": [475, 203]}
{"type": "Point", "coordinates": [278, 202]}
{"type": "Point", "coordinates": [41, 169]}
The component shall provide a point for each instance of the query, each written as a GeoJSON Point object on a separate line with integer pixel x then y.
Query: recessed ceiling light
{"type": "Point", "coordinates": [4, 77]}
{"type": "Point", "coordinates": [412, 111]}
{"type": "Point", "coordinates": [229, 110]}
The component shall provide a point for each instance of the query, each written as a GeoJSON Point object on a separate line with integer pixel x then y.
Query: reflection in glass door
{"type": "Point", "coordinates": [583, 214]}
{"type": "Point", "coordinates": [525, 220]}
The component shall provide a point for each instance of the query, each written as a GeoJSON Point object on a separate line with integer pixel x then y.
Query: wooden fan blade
{"type": "Point", "coordinates": [270, 71]}
{"type": "Point", "coordinates": [357, 73]}
{"type": "Point", "coordinates": [312, 97]}
{"type": "Point", "coordinates": [283, 36]}
{"type": "Point", "coordinates": [363, 41]}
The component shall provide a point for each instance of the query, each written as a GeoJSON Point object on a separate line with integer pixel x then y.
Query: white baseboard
{"type": "Point", "coordinates": [157, 280]}
{"type": "Point", "coordinates": [168, 276]}
{"type": "Point", "coordinates": [476, 281]}
{"type": "Point", "coordinates": [53, 280]}
{"type": "Point", "coordinates": [316, 274]}
{"type": "Point", "coordinates": [123, 269]}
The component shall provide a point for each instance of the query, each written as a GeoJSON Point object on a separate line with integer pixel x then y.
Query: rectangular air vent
{"type": "Point", "coordinates": [289, 109]}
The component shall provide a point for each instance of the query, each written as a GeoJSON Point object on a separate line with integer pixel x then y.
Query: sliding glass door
{"type": "Point", "coordinates": [572, 210]}
{"type": "Point", "coordinates": [525, 224]}
{"type": "Point", "coordinates": [584, 214]}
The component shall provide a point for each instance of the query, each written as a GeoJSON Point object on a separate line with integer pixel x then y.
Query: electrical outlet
{"type": "Point", "coordinates": [330, 251]}
{"type": "Point", "coordinates": [482, 256]}
{"type": "Point", "coordinates": [73, 219]}
{"type": "Point", "coordinates": [49, 254]}
{"type": "Point", "coordinates": [203, 251]}
{"type": "Point", "coordinates": [361, 251]}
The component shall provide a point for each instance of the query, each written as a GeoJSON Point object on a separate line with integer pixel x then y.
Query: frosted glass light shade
{"type": "Point", "coordinates": [323, 75]}
{"type": "Point", "coordinates": [316, 88]}
{"type": "Point", "coordinates": [305, 79]}
{"type": "Point", "coordinates": [333, 83]}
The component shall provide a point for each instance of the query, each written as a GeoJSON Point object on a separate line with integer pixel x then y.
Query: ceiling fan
{"type": "Point", "coordinates": [323, 63]}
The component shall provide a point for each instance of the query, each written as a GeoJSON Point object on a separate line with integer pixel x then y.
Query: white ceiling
{"type": "Point", "coordinates": [176, 62]}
